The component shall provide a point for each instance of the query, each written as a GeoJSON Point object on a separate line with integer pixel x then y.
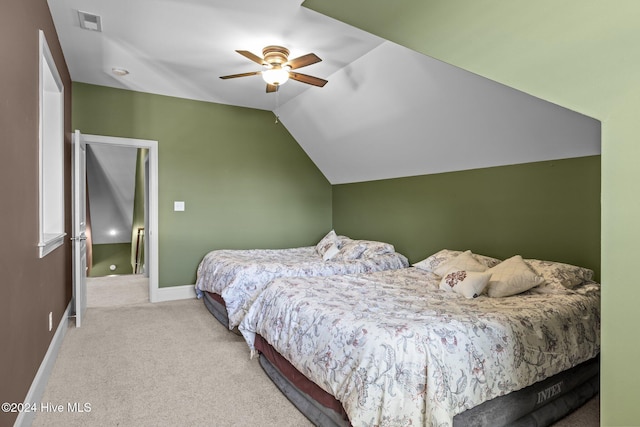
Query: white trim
{"type": "Point", "coordinates": [173, 293]}
{"type": "Point", "coordinates": [50, 139]}
{"type": "Point", "coordinates": [153, 268]}
{"type": "Point", "coordinates": [34, 395]}
{"type": "Point", "coordinates": [50, 242]}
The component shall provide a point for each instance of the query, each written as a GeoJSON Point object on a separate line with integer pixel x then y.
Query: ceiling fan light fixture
{"type": "Point", "coordinates": [277, 67]}
{"type": "Point", "coordinates": [276, 76]}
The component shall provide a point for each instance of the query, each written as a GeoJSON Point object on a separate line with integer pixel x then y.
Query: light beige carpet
{"type": "Point", "coordinates": [164, 364]}
{"type": "Point", "coordinates": [173, 364]}
{"type": "Point", "coordinates": [111, 291]}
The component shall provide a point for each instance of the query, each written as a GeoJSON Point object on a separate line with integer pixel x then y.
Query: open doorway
{"type": "Point", "coordinates": [122, 220]}
{"type": "Point", "coordinates": [115, 209]}
{"type": "Point", "coordinates": [115, 194]}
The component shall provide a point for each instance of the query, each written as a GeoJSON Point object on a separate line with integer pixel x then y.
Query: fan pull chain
{"type": "Point", "coordinates": [277, 100]}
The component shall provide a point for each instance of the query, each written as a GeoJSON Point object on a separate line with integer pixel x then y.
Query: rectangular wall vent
{"type": "Point", "coordinates": [89, 21]}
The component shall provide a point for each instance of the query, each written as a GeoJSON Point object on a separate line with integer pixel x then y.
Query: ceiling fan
{"type": "Point", "coordinates": [277, 67]}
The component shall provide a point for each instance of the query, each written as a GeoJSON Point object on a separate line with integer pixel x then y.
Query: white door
{"type": "Point", "coordinates": [79, 227]}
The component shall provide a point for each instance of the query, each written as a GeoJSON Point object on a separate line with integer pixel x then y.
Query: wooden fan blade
{"type": "Point", "coordinates": [310, 80]}
{"type": "Point", "coordinates": [271, 88]}
{"type": "Point", "coordinates": [303, 61]}
{"type": "Point", "coordinates": [233, 76]}
{"type": "Point", "coordinates": [251, 56]}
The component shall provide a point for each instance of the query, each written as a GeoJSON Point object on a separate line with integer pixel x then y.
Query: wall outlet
{"type": "Point", "coordinates": [50, 321]}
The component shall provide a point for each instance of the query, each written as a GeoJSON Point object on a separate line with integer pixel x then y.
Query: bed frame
{"type": "Point", "coordinates": [216, 306]}
{"type": "Point", "coordinates": [538, 405]}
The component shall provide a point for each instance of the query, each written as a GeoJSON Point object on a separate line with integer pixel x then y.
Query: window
{"type": "Point", "coordinates": [51, 201]}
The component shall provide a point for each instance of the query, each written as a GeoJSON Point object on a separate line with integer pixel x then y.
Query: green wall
{"type": "Point", "coordinates": [544, 210]}
{"type": "Point", "coordinates": [582, 55]}
{"type": "Point", "coordinates": [245, 181]}
{"type": "Point", "coordinates": [104, 255]}
{"type": "Point", "coordinates": [620, 236]}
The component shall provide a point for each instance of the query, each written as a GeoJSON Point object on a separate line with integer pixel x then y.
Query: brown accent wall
{"type": "Point", "coordinates": [30, 287]}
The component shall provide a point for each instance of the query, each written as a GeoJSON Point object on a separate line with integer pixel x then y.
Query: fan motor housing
{"type": "Point", "coordinates": [275, 55]}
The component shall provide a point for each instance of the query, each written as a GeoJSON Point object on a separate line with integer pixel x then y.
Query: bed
{"type": "Point", "coordinates": [230, 280]}
{"type": "Point", "coordinates": [409, 347]}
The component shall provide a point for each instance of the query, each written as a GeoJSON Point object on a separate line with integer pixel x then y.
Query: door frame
{"type": "Point", "coordinates": [79, 226]}
{"type": "Point", "coordinates": [152, 208]}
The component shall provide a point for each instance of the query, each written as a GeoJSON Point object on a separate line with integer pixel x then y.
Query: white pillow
{"type": "Point", "coordinates": [560, 275]}
{"type": "Point", "coordinates": [511, 277]}
{"type": "Point", "coordinates": [350, 251]}
{"type": "Point", "coordinates": [325, 243]}
{"type": "Point", "coordinates": [464, 261]}
{"type": "Point", "coordinates": [374, 248]}
{"type": "Point", "coordinates": [470, 284]}
{"type": "Point", "coordinates": [431, 262]}
{"type": "Point", "coordinates": [331, 252]}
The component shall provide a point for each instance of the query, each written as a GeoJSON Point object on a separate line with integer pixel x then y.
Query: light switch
{"type": "Point", "coordinates": [178, 206]}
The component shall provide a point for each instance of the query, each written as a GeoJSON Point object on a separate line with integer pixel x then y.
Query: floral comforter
{"type": "Point", "coordinates": [239, 275]}
{"type": "Point", "coordinates": [396, 351]}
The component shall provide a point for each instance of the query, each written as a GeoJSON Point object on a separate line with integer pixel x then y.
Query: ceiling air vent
{"type": "Point", "coordinates": [89, 21]}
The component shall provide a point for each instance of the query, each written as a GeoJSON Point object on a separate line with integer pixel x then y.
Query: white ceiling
{"type": "Point", "coordinates": [181, 47]}
{"type": "Point", "coordinates": [386, 112]}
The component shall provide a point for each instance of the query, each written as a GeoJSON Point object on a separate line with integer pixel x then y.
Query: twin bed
{"type": "Point", "coordinates": [457, 339]}
{"type": "Point", "coordinates": [230, 280]}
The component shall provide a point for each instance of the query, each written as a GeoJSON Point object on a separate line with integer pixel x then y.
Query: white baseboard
{"type": "Point", "coordinates": [173, 293]}
{"type": "Point", "coordinates": [34, 395]}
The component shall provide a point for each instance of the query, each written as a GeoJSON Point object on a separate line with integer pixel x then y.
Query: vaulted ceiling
{"type": "Point", "coordinates": [387, 111]}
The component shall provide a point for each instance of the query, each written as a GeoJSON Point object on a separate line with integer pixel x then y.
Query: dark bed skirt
{"type": "Point", "coordinates": [216, 306]}
{"type": "Point", "coordinates": [321, 408]}
{"type": "Point", "coordinates": [538, 405]}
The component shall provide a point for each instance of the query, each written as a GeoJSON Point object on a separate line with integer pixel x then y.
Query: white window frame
{"type": "Point", "coordinates": [51, 152]}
